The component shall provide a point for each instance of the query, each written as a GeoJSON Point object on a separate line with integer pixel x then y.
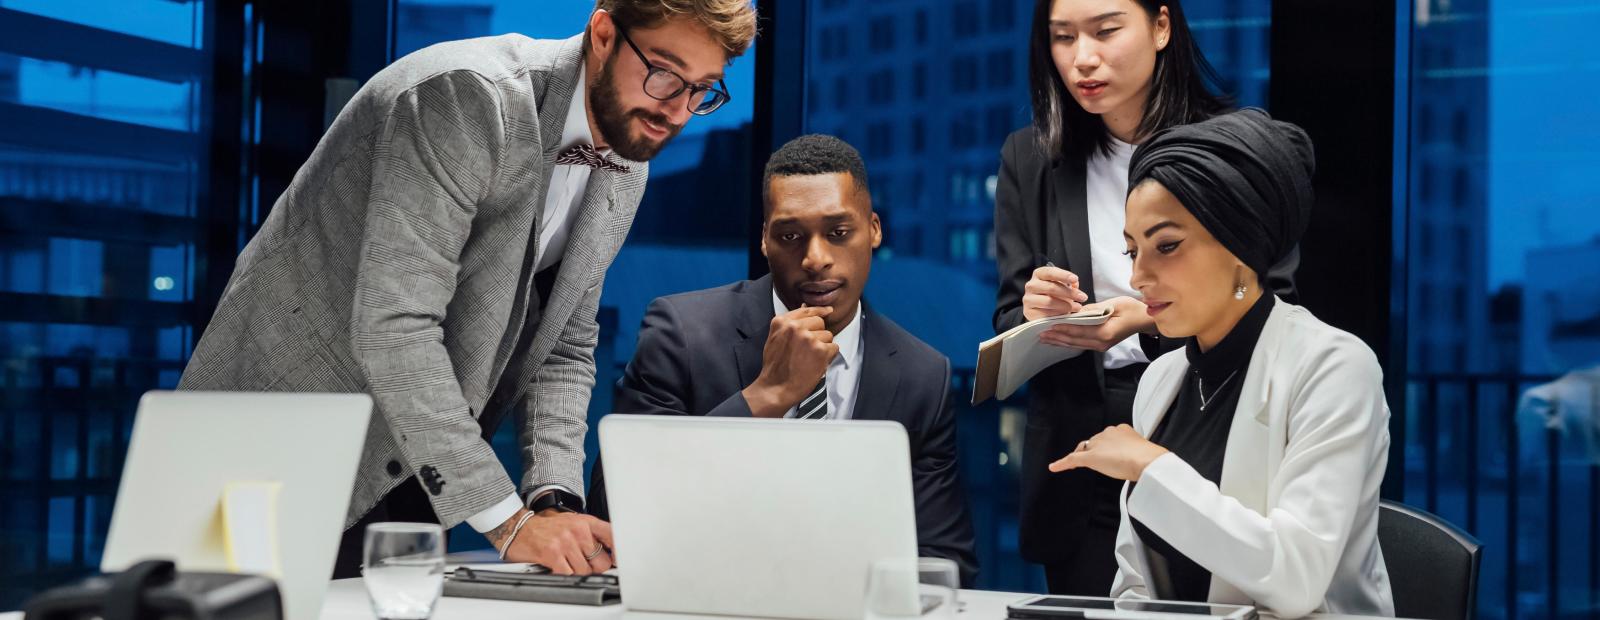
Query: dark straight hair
{"type": "Point", "coordinates": [1178, 88]}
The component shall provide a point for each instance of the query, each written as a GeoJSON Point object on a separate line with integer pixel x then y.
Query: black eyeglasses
{"type": "Point", "coordinates": [663, 85]}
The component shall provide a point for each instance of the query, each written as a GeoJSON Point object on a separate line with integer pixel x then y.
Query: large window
{"type": "Point", "coordinates": [1502, 222]}
{"type": "Point", "coordinates": [115, 172]}
{"type": "Point", "coordinates": [100, 156]}
{"type": "Point", "coordinates": [932, 155]}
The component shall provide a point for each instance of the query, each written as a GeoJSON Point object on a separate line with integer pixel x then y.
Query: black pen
{"type": "Point", "coordinates": [1051, 265]}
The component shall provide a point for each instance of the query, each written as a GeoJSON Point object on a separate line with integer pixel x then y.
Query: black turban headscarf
{"type": "Point", "coordinates": [1246, 177]}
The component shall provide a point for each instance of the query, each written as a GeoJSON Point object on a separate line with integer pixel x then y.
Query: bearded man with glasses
{"type": "Point", "coordinates": [443, 251]}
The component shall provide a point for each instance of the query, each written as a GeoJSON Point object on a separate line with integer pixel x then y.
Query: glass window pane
{"type": "Point", "coordinates": [99, 93]}
{"type": "Point", "coordinates": [1503, 225]}
{"type": "Point", "coordinates": [98, 219]}
{"type": "Point", "coordinates": [96, 181]}
{"type": "Point", "coordinates": [178, 23]}
{"type": "Point", "coordinates": [1236, 39]}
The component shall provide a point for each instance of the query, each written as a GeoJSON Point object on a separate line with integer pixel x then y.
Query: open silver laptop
{"type": "Point", "coordinates": [188, 446]}
{"type": "Point", "coordinates": [773, 518]}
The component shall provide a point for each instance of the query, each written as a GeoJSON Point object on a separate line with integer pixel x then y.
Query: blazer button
{"type": "Point", "coordinates": [394, 468]}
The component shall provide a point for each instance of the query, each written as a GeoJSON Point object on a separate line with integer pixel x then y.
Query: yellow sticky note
{"type": "Point", "coordinates": [250, 527]}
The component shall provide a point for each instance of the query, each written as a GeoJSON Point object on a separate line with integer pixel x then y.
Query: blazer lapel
{"type": "Point", "coordinates": [754, 320]}
{"type": "Point", "coordinates": [1071, 223]}
{"type": "Point", "coordinates": [557, 98]}
{"type": "Point", "coordinates": [880, 376]}
{"type": "Point", "coordinates": [1245, 464]}
{"type": "Point", "coordinates": [1071, 215]}
{"type": "Point", "coordinates": [579, 261]}
{"type": "Point", "coordinates": [553, 100]}
{"type": "Point", "coordinates": [581, 256]}
{"type": "Point", "coordinates": [1162, 394]}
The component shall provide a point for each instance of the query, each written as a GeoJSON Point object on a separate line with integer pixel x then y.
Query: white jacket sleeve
{"type": "Point", "coordinates": [1285, 559]}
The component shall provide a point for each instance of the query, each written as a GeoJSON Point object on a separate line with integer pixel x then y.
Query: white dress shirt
{"type": "Point", "coordinates": [565, 194]}
{"type": "Point", "coordinates": [1107, 183]}
{"type": "Point", "coordinates": [844, 372]}
{"type": "Point", "coordinates": [561, 205]}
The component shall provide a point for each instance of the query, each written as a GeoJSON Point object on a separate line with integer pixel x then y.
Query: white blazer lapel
{"type": "Point", "coordinates": [1247, 468]}
{"type": "Point", "coordinates": [1149, 409]}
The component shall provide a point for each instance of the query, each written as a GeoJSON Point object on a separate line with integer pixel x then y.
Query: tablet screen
{"type": "Point", "coordinates": [1199, 609]}
{"type": "Point", "coordinates": [1073, 602]}
{"type": "Point", "coordinates": [1166, 607]}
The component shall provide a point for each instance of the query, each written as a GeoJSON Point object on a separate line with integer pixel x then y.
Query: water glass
{"type": "Point", "coordinates": [403, 569]}
{"type": "Point", "coordinates": [921, 588]}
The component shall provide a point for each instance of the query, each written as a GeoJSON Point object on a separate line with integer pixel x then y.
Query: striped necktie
{"type": "Point", "coordinates": [815, 406]}
{"type": "Point", "coordinates": [585, 155]}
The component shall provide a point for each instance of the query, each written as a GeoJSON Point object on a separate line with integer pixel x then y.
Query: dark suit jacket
{"type": "Point", "coordinates": [1041, 213]}
{"type": "Point", "coordinates": [697, 351]}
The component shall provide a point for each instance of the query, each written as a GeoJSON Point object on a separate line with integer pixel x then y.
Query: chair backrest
{"type": "Point", "coordinates": [1433, 565]}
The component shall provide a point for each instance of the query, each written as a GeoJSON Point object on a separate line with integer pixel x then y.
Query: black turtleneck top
{"type": "Point", "coordinates": [1196, 429]}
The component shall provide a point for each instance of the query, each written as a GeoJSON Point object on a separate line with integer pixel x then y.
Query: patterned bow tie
{"type": "Point", "coordinates": [585, 155]}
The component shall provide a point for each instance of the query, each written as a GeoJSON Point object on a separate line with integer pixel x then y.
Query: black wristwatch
{"type": "Point", "coordinates": [559, 500]}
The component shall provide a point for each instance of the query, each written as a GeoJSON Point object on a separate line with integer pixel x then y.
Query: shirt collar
{"type": "Point", "coordinates": [575, 130]}
{"type": "Point", "coordinates": [1234, 352]}
{"type": "Point", "coordinates": [848, 339]}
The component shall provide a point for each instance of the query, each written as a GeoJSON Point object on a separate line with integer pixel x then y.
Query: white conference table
{"type": "Point", "coordinates": [347, 600]}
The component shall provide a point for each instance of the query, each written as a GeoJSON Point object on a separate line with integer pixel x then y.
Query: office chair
{"type": "Point", "coordinates": [1433, 565]}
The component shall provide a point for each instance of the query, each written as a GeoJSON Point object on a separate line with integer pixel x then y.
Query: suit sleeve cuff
{"type": "Point", "coordinates": [541, 490]}
{"type": "Point", "coordinates": [1163, 482]}
{"type": "Point", "coordinates": [734, 407]}
{"type": "Point", "coordinates": [491, 517]}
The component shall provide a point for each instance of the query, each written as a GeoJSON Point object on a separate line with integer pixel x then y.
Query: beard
{"type": "Point", "coordinates": [612, 120]}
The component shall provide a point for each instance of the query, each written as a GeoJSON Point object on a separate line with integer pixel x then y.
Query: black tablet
{"type": "Point", "coordinates": [1094, 607]}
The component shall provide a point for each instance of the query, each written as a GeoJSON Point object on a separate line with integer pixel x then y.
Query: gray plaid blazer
{"type": "Point", "coordinates": [392, 265]}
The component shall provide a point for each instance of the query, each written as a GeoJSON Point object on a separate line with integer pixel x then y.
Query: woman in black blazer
{"type": "Point", "coordinates": [1104, 74]}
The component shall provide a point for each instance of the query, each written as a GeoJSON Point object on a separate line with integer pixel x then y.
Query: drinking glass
{"type": "Point", "coordinates": [920, 588]}
{"type": "Point", "coordinates": [403, 569]}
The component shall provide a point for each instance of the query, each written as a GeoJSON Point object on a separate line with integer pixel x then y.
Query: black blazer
{"type": "Point", "coordinates": [697, 350]}
{"type": "Point", "coordinates": [1041, 213]}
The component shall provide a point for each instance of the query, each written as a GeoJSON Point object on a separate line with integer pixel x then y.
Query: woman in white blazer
{"type": "Point", "coordinates": [1256, 453]}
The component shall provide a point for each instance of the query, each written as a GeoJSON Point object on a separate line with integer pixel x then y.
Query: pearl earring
{"type": "Point", "coordinates": [1238, 293]}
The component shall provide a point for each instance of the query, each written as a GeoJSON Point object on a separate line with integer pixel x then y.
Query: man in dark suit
{"type": "Point", "coordinates": [801, 343]}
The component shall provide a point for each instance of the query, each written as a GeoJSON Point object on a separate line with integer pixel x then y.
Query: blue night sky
{"type": "Point", "coordinates": [1544, 143]}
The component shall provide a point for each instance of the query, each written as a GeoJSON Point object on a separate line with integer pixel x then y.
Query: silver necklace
{"type": "Point", "coordinates": [1202, 383]}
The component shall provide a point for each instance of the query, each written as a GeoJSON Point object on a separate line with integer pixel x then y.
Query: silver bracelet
{"type": "Point", "coordinates": [513, 536]}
